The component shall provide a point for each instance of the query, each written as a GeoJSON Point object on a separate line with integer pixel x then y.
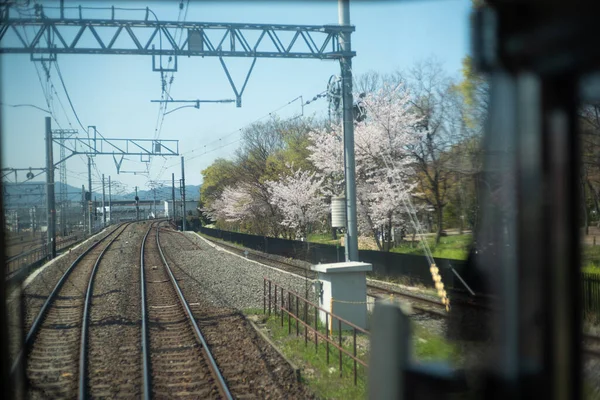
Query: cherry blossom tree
{"type": "Point", "coordinates": [299, 198]}
{"type": "Point", "coordinates": [383, 160]}
{"type": "Point", "coordinates": [235, 204]}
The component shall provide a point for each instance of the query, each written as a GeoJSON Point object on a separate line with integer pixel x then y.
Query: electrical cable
{"type": "Point", "coordinates": [69, 97]}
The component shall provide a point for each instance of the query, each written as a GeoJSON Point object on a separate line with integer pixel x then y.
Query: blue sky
{"type": "Point", "coordinates": [114, 92]}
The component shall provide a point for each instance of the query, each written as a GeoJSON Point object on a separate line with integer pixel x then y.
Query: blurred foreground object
{"type": "Point", "coordinates": [535, 53]}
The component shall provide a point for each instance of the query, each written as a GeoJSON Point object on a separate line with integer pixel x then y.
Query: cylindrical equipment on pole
{"type": "Point", "coordinates": [348, 115]}
{"type": "Point", "coordinates": [50, 191]}
{"type": "Point", "coordinates": [338, 212]}
{"type": "Point", "coordinates": [183, 193]}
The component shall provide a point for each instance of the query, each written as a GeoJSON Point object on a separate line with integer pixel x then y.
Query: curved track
{"type": "Point", "coordinates": [177, 360]}
{"type": "Point", "coordinates": [56, 340]}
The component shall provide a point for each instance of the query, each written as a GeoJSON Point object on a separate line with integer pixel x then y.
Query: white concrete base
{"type": "Point", "coordinates": [344, 292]}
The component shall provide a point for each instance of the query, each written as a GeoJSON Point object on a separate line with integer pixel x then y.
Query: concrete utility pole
{"type": "Point", "coordinates": [183, 193]}
{"type": "Point", "coordinates": [51, 208]}
{"type": "Point", "coordinates": [348, 115]}
{"type": "Point", "coordinates": [109, 202]}
{"type": "Point", "coordinates": [89, 203]}
{"type": "Point", "coordinates": [103, 204]}
{"type": "Point", "coordinates": [173, 194]}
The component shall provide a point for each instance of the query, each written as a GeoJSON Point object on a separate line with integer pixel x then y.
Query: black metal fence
{"type": "Point", "coordinates": [408, 267]}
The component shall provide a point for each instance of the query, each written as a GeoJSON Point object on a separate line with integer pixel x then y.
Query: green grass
{"type": "Point", "coordinates": [431, 347]}
{"type": "Point", "coordinates": [323, 238]}
{"type": "Point", "coordinates": [324, 378]}
{"type": "Point", "coordinates": [590, 259]}
{"type": "Point", "coordinates": [455, 247]}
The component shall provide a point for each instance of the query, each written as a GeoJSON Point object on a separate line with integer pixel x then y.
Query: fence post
{"type": "Point", "coordinates": [275, 303]}
{"type": "Point", "coordinates": [297, 317]}
{"type": "Point", "coordinates": [264, 296]}
{"type": "Point", "coordinates": [327, 335]}
{"type": "Point", "coordinates": [316, 330]}
{"type": "Point", "coordinates": [289, 311]}
{"type": "Point", "coordinates": [305, 324]}
{"type": "Point", "coordinates": [354, 329]}
{"type": "Point", "coordinates": [282, 307]}
{"type": "Point", "coordinates": [340, 342]}
{"type": "Point", "coordinates": [269, 298]}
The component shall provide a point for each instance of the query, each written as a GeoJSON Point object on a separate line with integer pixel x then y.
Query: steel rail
{"type": "Point", "coordinates": [205, 349]}
{"type": "Point", "coordinates": [85, 320]}
{"type": "Point", "coordinates": [37, 322]}
{"type": "Point", "coordinates": [147, 379]}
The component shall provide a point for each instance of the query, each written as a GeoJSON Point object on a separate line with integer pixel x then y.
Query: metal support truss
{"type": "Point", "coordinates": [50, 36]}
{"type": "Point", "coordinates": [119, 147]}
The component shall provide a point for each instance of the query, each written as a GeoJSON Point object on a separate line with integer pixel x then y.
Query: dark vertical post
{"type": "Point", "coordinates": [183, 192]}
{"type": "Point", "coordinates": [305, 324]}
{"type": "Point", "coordinates": [316, 329]}
{"type": "Point", "coordinates": [137, 205]}
{"type": "Point", "coordinates": [173, 194]}
{"type": "Point", "coordinates": [297, 317]}
{"type": "Point", "coordinates": [327, 335]}
{"type": "Point", "coordinates": [269, 298]}
{"type": "Point", "coordinates": [340, 343]}
{"type": "Point", "coordinates": [289, 311]}
{"type": "Point", "coordinates": [83, 202]}
{"type": "Point", "coordinates": [275, 303]}
{"type": "Point", "coordinates": [264, 296]}
{"type": "Point", "coordinates": [282, 306]}
{"type": "Point", "coordinates": [50, 206]}
{"type": "Point", "coordinates": [354, 329]}
{"type": "Point", "coordinates": [103, 204]}
{"type": "Point", "coordinates": [89, 201]}
{"type": "Point", "coordinates": [109, 202]}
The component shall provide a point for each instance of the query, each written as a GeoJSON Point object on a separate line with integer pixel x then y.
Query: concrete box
{"type": "Point", "coordinates": [346, 284]}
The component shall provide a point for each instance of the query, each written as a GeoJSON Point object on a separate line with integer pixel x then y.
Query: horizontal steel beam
{"type": "Point", "coordinates": [125, 147]}
{"type": "Point", "coordinates": [157, 38]}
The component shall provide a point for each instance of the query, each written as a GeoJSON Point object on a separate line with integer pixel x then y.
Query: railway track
{"type": "Point", "coordinates": [176, 358]}
{"type": "Point", "coordinates": [56, 344]}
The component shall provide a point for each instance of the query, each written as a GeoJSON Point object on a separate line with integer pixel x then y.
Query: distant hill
{"type": "Point", "coordinates": [33, 193]}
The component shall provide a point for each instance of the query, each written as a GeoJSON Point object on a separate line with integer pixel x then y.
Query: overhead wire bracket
{"type": "Point", "coordinates": [238, 95]}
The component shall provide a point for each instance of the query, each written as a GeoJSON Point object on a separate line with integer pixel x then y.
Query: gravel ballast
{"type": "Point", "coordinates": [230, 280]}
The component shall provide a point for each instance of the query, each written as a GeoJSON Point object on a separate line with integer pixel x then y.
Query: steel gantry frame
{"type": "Point", "coordinates": [150, 36]}
{"type": "Point", "coordinates": [61, 35]}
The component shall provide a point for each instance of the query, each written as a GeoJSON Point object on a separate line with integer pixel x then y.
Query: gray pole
{"type": "Point", "coordinates": [137, 206]}
{"type": "Point", "coordinates": [349, 163]}
{"type": "Point", "coordinates": [173, 194]}
{"type": "Point", "coordinates": [83, 206]}
{"type": "Point", "coordinates": [109, 202]}
{"type": "Point", "coordinates": [89, 203]}
{"type": "Point", "coordinates": [103, 204]}
{"type": "Point", "coordinates": [51, 208]}
{"type": "Point", "coordinates": [183, 193]}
